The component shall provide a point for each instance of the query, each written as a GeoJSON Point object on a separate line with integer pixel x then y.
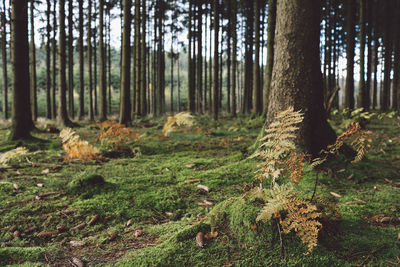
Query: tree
{"type": "Point", "coordinates": [270, 50]}
{"type": "Point", "coordinates": [257, 93]}
{"type": "Point", "coordinates": [350, 44]}
{"type": "Point", "coordinates": [4, 60]}
{"type": "Point", "coordinates": [296, 76]}
{"type": "Point", "coordinates": [70, 60]}
{"type": "Point", "coordinates": [32, 54]}
{"type": "Point", "coordinates": [48, 60]}
{"type": "Point", "coordinates": [125, 107]}
{"type": "Point", "coordinates": [62, 116]}
{"type": "Point", "coordinates": [81, 110]}
{"type": "Point", "coordinates": [103, 87]}
{"type": "Point", "coordinates": [54, 69]}
{"type": "Point", "coordinates": [21, 109]}
{"type": "Point", "coordinates": [90, 57]}
{"type": "Point", "coordinates": [216, 68]}
{"type": "Point", "coordinates": [362, 92]}
{"type": "Point", "coordinates": [234, 55]}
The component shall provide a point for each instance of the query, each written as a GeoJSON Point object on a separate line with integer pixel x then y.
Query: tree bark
{"type": "Point", "coordinates": [103, 87]}
{"type": "Point", "coordinates": [125, 108]}
{"type": "Point", "coordinates": [90, 57]}
{"type": "Point", "coordinates": [81, 112]}
{"type": "Point", "coordinates": [257, 93]}
{"type": "Point", "coordinates": [4, 60]}
{"type": "Point", "coordinates": [350, 45]}
{"type": "Point", "coordinates": [33, 63]}
{"type": "Point", "coordinates": [216, 66]}
{"type": "Point", "coordinates": [71, 108]}
{"type": "Point", "coordinates": [48, 60]}
{"type": "Point", "coordinates": [143, 97]}
{"type": "Point", "coordinates": [234, 56]}
{"type": "Point", "coordinates": [362, 92]}
{"type": "Point", "coordinates": [22, 122]}
{"type": "Point", "coordinates": [54, 70]}
{"type": "Point", "coordinates": [296, 76]}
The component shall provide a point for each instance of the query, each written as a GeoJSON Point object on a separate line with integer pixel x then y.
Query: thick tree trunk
{"type": "Point", "coordinates": [296, 76]}
{"type": "Point", "coordinates": [216, 66]}
{"type": "Point", "coordinates": [350, 45]}
{"type": "Point", "coordinates": [33, 63]}
{"type": "Point", "coordinates": [396, 80]}
{"type": "Point", "coordinates": [71, 108]}
{"type": "Point", "coordinates": [248, 75]}
{"type": "Point", "coordinates": [81, 112]}
{"type": "Point", "coordinates": [125, 107]}
{"type": "Point", "coordinates": [103, 87]}
{"type": "Point", "coordinates": [4, 60]}
{"type": "Point", "coordinates": [21, 111]}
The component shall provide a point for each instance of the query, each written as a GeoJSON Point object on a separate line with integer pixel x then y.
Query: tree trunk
{"type": "Point", "coordinates": [350, 45]}
{"type": "Point", "coordinates": [143, 98]}
{"type": "Point", "coordinates": [48, 60]}
{"type": "Point", "coordinates": [396, 80]}
{"type": "Point", "coordinates": [234, 56]}
{"type": "Point", "coordinates": [199, 84]}
{"type": "Point", "coordinates": [296, 76]}
{"type": "Point", "coordinates": [369, 56]}
{"type": "Point", "coordinates": [90, 57]}
{"type": "Point", "coordinates": [62, 105]}
{"type": "Point", "coordinates": [4, 60]}
{"type": "Point", "coordinates": [54, 70]}
{"type": "Point", "coordinates": [81, 112]}
{"type": "Point", "coordinates": [21, 111]}
{"type": "Point", "coordinates": [33, 63]}
{"type": "Point", "coordinates": [191, 81]}
{"type": "Point", "coordinates": [103, 87]}
{"type": "Point", "coordinates": [70, 61]}
{"type": "Point", "coordinates": [248, 75]}
{"type": "Point", "coordinates": [362, 91]}
{"type": "Point", "coordinates": [229, 59]}
{"type": "Point", "coordinates": [178, 97]}
{"type": "Point", "coordinates": [125, 108]}
{"type": "Point", "coordinates": [257, 93]}
{"type": "Point", "coordinates": [216, 66]}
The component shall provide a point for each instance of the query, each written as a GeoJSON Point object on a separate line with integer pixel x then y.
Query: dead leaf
{"type": "Point", "coordinates": [94, 219]}
{"type": "Point", "coordinates": [47, 234]}
{"type": "Point", "coordinates": [67, 212]}
{"type": "Point", "coordinates": [189, 165]}
{"type": "Point", "coordinates": [203, 187]}
{"type": "Point", "coordinates": [335, 194]}
{"type": "Point", "coordinates": [211, 235]}
{"type": "Point", "coordinates": [376, 188]}
{"type": "Point", "coordinates": [341, 170]}
{"type": "Point", "coordinates": [79, 226]}
{"type": "Point", "coordinates": [12, 228]}
{"type": "Point", "coordinates": [45, 171]}
{"type": "Point", "coordinates": [200, 239]}
{"type": "Point", "coordinates": [360, 202]}
{"type": "Point", "coordinates": [398, 236]}
{"type": "Point", "coordinates": [16, 187]}
{"type": "Point", "coordinates": [253, 227]}
{"type": "Point", "coordinates": [389, 181]}
{"type": "Point", "coordinates": [31, 229]}
{"type": "Point", "coordinates": [138, 233]}
{"type": "Point", "coordinates": [40, 185]}
{"type": "Point", "coordinates": [77, 262]}
{"type": "Point", "coordinates": [62, 228]}
{"type": "Point", "coordinates": [77, 243]}
{"type": "Point", "coordinates": [112, 237]}
{"type": "Point", "coordinates": [46, 194]}
{"type": "Point", "coordinates": [192, 181]}
{"type": "Point", "coordinates": [129, 222]}
{"type": "Point", "coordinates": [385, 219]}
{"type": "Point", "coordinates": [16, 234]}
{"type": "Point", "coordinates": [63, 241]}
{"type": "Point", "coordinates": [37, 198]}
{"type": "Point", "coordinates": [350, 177]}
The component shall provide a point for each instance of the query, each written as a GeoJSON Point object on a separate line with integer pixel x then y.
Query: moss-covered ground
{"type": "Point", "coordinates": [148, 214]}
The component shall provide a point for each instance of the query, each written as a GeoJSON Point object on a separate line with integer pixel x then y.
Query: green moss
{"type": "Point", "coordinates": [18, 254]}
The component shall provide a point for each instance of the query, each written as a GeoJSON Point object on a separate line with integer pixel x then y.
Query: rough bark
{"type": "Point", "coordinates": [81, 110]}
{"type": "Point", "coordinates": [234, 57]}
{"type": "Point", "coordinates": [4, 61]}
{"type": "Point", "coordinates": [362, 90]}
{"type": "Point", "coordinates": [48, 60]}
{"type": "Point", "coordinates": [350, 45]}
{"type": "Point", "coordinates": [102, 65]}
{"type": "Point", "coordinates": [21, 111]}
{"type": "Point", "coordinates": [71, 108]}
{"type": "Point", "coordinates": [257, 93]}
{"type": "Point", "coordinates": [54, 59]}
{"type": "Point", "coordinates": [143, 97]}
{"type": "Point", "coordinates": [216, 56]}
{"type": "Point", "coordinates": [90, 57]}
{"type": "Point", "coordinates": [296, 76]}
{"type": "Point", "coordinates": [32, 55]}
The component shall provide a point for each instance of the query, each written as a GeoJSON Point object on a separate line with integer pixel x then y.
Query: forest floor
{"type": "Point", "coordinates": [147, 212]}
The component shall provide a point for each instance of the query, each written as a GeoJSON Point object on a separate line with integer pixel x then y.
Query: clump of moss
{"type": "Point", "coordinates": [10, 255]}
{"type": "Point", "coordinates": [88, 185]}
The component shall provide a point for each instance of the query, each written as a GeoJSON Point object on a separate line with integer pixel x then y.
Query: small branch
{"type": "Point", "coordinates": [315, 186]}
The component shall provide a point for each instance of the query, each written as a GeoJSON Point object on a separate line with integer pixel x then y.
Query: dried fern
{"type": "Point", "coordinates": [115, 136]}
{"type": "Point", "coordinates": [16, 153]}
{"type": "Point", "coordinates": [76, 148]}
{"type": "Point", "coordinates": [180, 119]}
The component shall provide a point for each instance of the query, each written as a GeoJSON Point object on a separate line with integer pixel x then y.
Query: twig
{"type": "Point", "coordinates": [280, 238]}
{"type": "Point", "coordinates": [315, 185]}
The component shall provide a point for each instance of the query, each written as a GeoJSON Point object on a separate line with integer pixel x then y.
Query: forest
{"type": "Point", "coordinates": [200, 133]}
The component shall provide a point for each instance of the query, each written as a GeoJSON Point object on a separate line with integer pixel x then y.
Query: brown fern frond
{"type": "Point", "coordinates": [114, 133]}
{"type": "Point", "coordinates": [180, 119]}
{"type": "Point", "coordinates": [76, 148]}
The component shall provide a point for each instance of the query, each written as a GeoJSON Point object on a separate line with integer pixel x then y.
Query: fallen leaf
{"type": "Point", "coordinates": [350, 176]}
{"type": "Point", "coordinates": [63, 241]}
{"type": "Point", "coordinates": [62, 228]}
{"type": "Point", "coordinates": [361, 202]}
{"type": "Point", "coordinates": [389, 181]}
{"type": "Point", "coordinates": [77, 243]}
{"type": "Point", "coordinates": [129, 222]}
{"type": "Point", "coordinates": [192, 181]}
{"type": "Point", "coordinates": [16, 234]}
{"type": "Point", "coordinates": [341, 170]}
{"type": "Point", "coordinates": [79, 226]}
{"type": "Point", "coordinates": [211, 235]}
{"type": "Point", "coordinates": [16, 187]}
{"type": "Point", "coordinates": [376, 188]}
{"type": "Point", "coordinates": [200, 239]}
{"type": "Point", "coordinates": [335, 194]}
{"type": "Point", "coordinates": [45, 171]}
{"type": "Point", "coordinates": [385, 219]}
{"type": "Point", "coordinates": [12, 228]}
{"type": "Point", "coordinates": [67, 212]}
{"type": "Point", "coordinates": [77, 262]}
{"type": "Point", "coordinates": [138, 233]}
{"type": "Point", "coordinates": [203, 187]}
{"type": "Point", "coordinates": [17, 173]}
{"type": "Point", "coordinates": [112, 237]}
{"type": "Point", "coordinates": [46, 194]}
{"type": "Point", "coordinates": [253, 227]}
{"type": "Point", "coordinates": [94, 219]}
{"type": "Point", "coordinates": [31, 229]}
{"type": "Point", "coordinates": [40, 185]}
{"type": "Point", "coordinates": [189, 165]}
{"type": "Point", "coordinates": [47, 234]}
{"type": "Point", "coordinates": [37, 197]}
{"type": "Point", "coordinates": [398, 236]}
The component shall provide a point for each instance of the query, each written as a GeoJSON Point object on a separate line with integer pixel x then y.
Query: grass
{"type": "Point", "coordinates": [150, 191]}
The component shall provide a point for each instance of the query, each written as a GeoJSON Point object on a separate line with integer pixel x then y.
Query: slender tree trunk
{"type": "Point", "coordinates": [191, 81]}
{"type": "Point", "coordinates": [199, 84]}
{"type": "Point", "coordinates": [90, 57]}
{"type": "Point", "coordinates": [71, 108]}
{"type": "Point", "coordinates": [109, 62]}
{"type": "Point", "coordinates": [375, 67]}
{"type": "Point", "coordinates": [248, 89]}
{"type": "Point", "coordinates": [4, 60]}
{"type": "Point", "coordinates": [362, 91]}
{"type": "Point", "coordinates": [257, 95]}
{"type": "Point", "coordinates": [234, 56]}
{"type": "Point", "coordinates": [229, 60]}
{"type": "Point", "coordinates": [125, 108]}
{"type": "Point", "coordinates": [296, 77]}
{"type": "Point", "coordinates": [21, 111]}
{"type": "Point", "coordinates": [33, 63]}
{"type": "Point", "coordinates": [103, 86]}
{"type": "Point", "coordinates": [95, 59]}
{"type": "Point", "coordinates": [216, 47]}
{"type": "Point", "coordinates": [81, 112]}
{"type": "Point", "coordinates": [388, 45]}
{"type": "Point", "coordinates": [369, 56]}
{"type": "Point", "coordinates": [48, 60]}
{"type": "Point", "coordinates": [54, 70]}
{"type": "Point", "coordinates": [178, 97]}
{"type": "Point", "coordinates": [143, 98]}
{"type": "Point", "coordinates": [171, 81]}
{"type": "Point", "coordinates": [62, 105]}
{"type": "Point", "coordinates": [350, 45]}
